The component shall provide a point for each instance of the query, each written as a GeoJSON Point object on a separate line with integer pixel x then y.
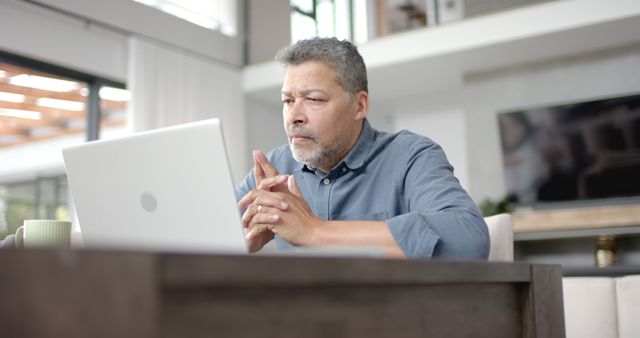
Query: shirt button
{"type": "Point", "coordinates": [344, 169]}
{"type": "Point", "coordinates": [326, 181]}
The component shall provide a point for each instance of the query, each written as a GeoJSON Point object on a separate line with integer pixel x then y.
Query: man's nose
{"type": "Point", "coordinates": [295, 113]}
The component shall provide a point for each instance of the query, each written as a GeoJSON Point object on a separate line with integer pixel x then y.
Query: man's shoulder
{"type": "Point", "coordinates": [406, 147]}
{"type": "Point", "coordinates": [408, 142]}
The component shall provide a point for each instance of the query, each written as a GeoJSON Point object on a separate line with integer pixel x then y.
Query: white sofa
{"type": "Point", "coordinates": [602, 307]}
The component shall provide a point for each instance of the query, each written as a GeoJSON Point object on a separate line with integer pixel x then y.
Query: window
{"type": "Point", "coordinates": [36, 106]}
{"type": "Point", "coordinates": [362, 20]}
{"type": "Point", "coordinates": [113, 111]}
{"type": "Point", "coordinates": [218, 15]}
{"type": "Point", "coordinates": [343, 19]}
{"type": "Point", "coordinates": [44, 108]}
{"type": "Point", "coordinates": [39, 198]}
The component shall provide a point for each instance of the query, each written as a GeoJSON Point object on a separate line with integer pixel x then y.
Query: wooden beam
{"type": "Point", "coordinates": [113, 105]}
{"type": "Point", "coordinates": [38, 93]}
{"type": "Point", "coordinates": [10, 130]}
{"type": "Point", "coordinates": [18, 123]}
{"type": "Point", "coordinates": [48, 114]}
{"type": "Point", "coordinates": [55, 134]}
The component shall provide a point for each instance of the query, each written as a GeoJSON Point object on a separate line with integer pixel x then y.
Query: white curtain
{"type": "Point", "coordinates": [171, 86]}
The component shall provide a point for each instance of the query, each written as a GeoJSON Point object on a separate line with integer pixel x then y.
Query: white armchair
{"type": "Point", "coordinates": [501, 236]}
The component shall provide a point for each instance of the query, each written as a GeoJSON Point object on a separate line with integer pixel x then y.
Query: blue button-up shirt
{"type": "Point", "coordinates": [403, 179]}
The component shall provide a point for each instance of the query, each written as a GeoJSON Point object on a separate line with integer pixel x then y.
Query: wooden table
{"type": "Point", "coordinates": [120, 294]}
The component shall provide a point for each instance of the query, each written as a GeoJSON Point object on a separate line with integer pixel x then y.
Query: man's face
{"type": "Point", "coordinates": [321, 121]}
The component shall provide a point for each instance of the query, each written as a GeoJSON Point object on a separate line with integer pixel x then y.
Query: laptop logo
{"type": "Point", "coordinates": [148, 201]}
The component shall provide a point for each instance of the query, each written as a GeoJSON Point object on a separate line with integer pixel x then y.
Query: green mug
{"type": "Point", "coordinates": [43, 233]}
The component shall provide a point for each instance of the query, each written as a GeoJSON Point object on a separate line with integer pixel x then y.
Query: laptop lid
{"type": "Point", "coordinates": [167, 189]}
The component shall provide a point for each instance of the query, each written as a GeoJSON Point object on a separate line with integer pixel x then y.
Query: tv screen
{"type": "Point", "coordinates": [572, 152]}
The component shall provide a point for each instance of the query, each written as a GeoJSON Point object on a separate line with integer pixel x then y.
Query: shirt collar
{"type": "Point", "coordinates": [355, 158]}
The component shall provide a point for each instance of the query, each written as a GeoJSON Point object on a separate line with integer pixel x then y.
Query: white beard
{"type": "Point", "coordinates": [321, 156]}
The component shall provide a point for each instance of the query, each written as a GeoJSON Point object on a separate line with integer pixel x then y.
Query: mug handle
{"type": "Point", "coordinates": [20, 237]}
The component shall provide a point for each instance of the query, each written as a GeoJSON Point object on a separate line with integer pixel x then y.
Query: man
{"type": "Point", "coordinates": [341, 182]}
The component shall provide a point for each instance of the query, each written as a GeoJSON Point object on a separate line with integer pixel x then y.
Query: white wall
{"type": "Point", "coordinates": [135, 18]}
{"type": "Point", "coordinates": [441, 117]}
{"type": "Point", "coordinates": [49, 36]}
{"type": "Point", "coordinates": [464, 119]}
{"type": "Point", "coordinates": [265, 129]}
{"type": "Point", "coordinates": [584, 77]}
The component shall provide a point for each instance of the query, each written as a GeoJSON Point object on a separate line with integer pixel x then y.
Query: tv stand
{"type": "Point", "coordinates": [570, 237]}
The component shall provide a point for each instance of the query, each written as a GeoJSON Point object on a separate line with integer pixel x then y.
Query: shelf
{"type": "Point", "coordinates": [589, 221]}
{"type": "Point", "coordinates": [612, 271]}
{"type": "Point", "coordinates": [568, 237]}
{"type": "Point", "coordinates": [579, 233]}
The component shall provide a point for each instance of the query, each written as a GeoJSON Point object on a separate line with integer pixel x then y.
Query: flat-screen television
{"type": "Point", "coordinates": [583, 151]}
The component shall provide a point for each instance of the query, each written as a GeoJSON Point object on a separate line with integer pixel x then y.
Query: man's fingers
{"type": "Point", "coordinates": [256, 208]}
{"type": "Point", "coordinates": [258, 239]}
{"type": "Point", "coordinates": [255, 231]}
{"type": "Point", "coordinates": [270, 201]}
{"type": "Point", "coordinates": [260, 198]}
{"type": "Point", "coordinates": [263, 169]}
{"type": "Point", "coordinates": [258, 171]}
{"type": "Point", "coordinates": [293, 186]}
{"type": "Point", "coordinates": [268, 169]}
{"type": "Point", "coordinates": [261, 225]}
{"type": "Point", "coordinates": [271, 182]}
{"type": "Point", "coordinates": [248, 214]}
{"type": "Point", "coordinates": [263, 218]}
{"type": "Point", "coordinates": [246, 200]}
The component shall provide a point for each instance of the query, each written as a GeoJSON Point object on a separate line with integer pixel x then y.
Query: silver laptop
{"type": "Point", "coordinates": [168, 190]}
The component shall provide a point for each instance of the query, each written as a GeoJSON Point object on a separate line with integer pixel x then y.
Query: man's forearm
{"type": "Point", "coordinates": [354, 233]}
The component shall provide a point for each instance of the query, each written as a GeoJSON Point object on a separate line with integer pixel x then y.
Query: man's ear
{"type": "Point", "coordinates": [362, 101]}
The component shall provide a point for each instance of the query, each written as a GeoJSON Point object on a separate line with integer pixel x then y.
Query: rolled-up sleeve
{"type": "Point", "coordinates": [442, 220]}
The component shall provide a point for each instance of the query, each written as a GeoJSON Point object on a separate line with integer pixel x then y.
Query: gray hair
{"type": "Point", "coordinates": [341, 56]}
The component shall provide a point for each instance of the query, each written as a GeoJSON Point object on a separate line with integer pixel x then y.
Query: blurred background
{"type": "Point", "coordinates": [76, 71]}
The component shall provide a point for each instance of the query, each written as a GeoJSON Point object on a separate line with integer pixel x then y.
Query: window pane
{"type": "Point", "coordinates": [303, 5]}
{"type": "Point", "coordinates": [360, 22]}
{"type": "Point", "coordinates": [40, 113]}
{"type": "Point", "coordinates": [302, 27]}
{"type": "Point", "coordinates": [16, 205]}
{"type": "Point", "coordinates": [37, 107]}
{"type": "Point", "coordinates": [228, 17]}
{"type": "Point", "coordinates": [217, 15]}
{"type": "Point", "coordinates": [39, 198]}
{"type": "Point", "coordinates": [325, 18]}
{"type": "Point", "coordinates": [343, 19]}
{"type": "Point", "coordinates": [113, 106]}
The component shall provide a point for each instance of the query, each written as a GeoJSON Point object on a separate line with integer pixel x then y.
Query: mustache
{"type": "Point", "coordinates": [300, 131]}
